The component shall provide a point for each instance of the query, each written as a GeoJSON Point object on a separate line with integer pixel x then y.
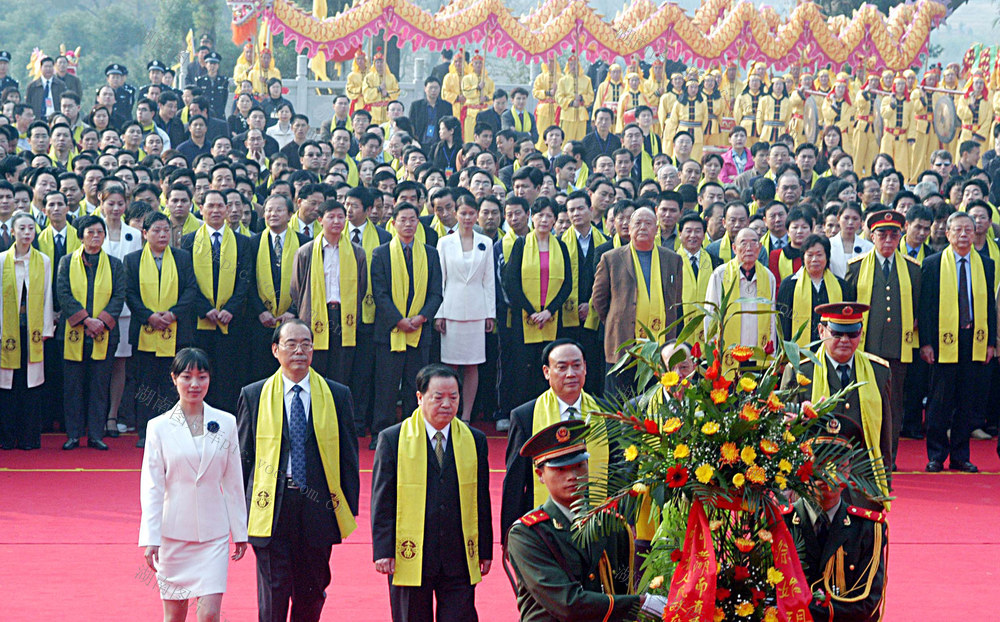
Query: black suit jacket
{"type": "Point", "coordinates": [515, 292]}
{"type": "Point", "coordinates": [73, 310]}
{"type": "Point", "coordinates": [188, 297]}
{"type": "Point", "coordinates": [319, 520]}
{"type": "Point", "coordinates": [244, 268]}
{"type": "Point", "coordinates": [507, 121]}
{"type": "Point", "coordinates": [593, 146]}
{"type": "Point", "coordinates": [421, 121]}
{"type": "Point", "coordinates": [786, 298]}
{"type": "Point", "coordinates": [444, 547]}
{"type": "Point", "coordinates": [490, 118]}
{"type": "Point", "coordinates": [254, 304]}
{"type": "Point", "coordinates": [386, 314]}
{"type": "Point", "coordinates": [35, 95]}
{"type": "Point", "coordinates": [517, 497]}
{"type": "Point", "coordinates": [929, 308]}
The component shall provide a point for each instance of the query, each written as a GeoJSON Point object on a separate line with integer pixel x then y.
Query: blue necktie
{"type": "Point", "coordinates": [297, 427]}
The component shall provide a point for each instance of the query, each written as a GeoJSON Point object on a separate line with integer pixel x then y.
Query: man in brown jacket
{"type": "Point", "coordinates": [618, 299]}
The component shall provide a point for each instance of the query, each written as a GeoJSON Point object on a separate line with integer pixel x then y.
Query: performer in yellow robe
{"type": "Point", "coordinates": [451, 88]}
{"type": "Point", "coordinates": [975, 111]}
{"type": "Point", "coordinates": [544, 90]}
{"type": "Point", "coordinates": [797, 107]}
{"type": "Point", "coordinates": [746, 108]}
{"type": "Point", "coordinates": [574, 94]}
{"type": "Point", "coordinates": [380, 88]}
{"type": "Point", "coordinates": [824, 82]}
{"type": "Point", "coordinates": [715, 109]}
{"type": "Point", "coordinates": [949, 80]}
{"type": "Point", "coordinates": [245, 64]}
{"type": "Point", "coordinates": [610, 91]}
{"type": "Point", "coordinates": [356, 81]}
{"type": "Point", "coordinates": [773, 113]}
{"type": "Point", "coordinates": [655, 86]}
{"type": "Point", "coordinates": [926, 141]}
{"type": "Point", "coordinates": [689, 114]}
{"type": "Point", "coordinates": [731, 86]}
{"type": "Point", "coordinates": [864, 138]}
{"type": "Point", "coordinates": [632, 98]}
{"type": "Point", "coordinates": [897, 126]}
{"type": "Point", "coordinates": [263, 71]}
{"type": "Point", "coordinates": [666, 106]}
{"type": "Point", "coordinates": [478, 89]}
{"type": "Point", "coordinates": [839, 111]}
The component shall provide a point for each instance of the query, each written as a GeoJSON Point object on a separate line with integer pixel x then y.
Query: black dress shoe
{"type": "Point", "coordinates": [97, 444]}
{"type": "Point", "coordinates": [72, 443]}
{"type": "Point", "coordinates": [965, 467]}
{"type": "Point", "coordinates": [934, 467]}
{"type": "Point", "coordinates": [141, 443]}
{"type": "Point", "coordinates": [372, 445]}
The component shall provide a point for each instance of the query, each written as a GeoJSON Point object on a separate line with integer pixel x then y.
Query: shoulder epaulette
{"type": "Point", "coordinates": [912, 260]}
{"type": "Point", "coordinates": [856, 258]}
{"type": "Point", "coordinates": [536, 516]}
{"type": "Point", "coordinates": [877, 359]}
{"type": "Point", "coordinates": [872, 515]}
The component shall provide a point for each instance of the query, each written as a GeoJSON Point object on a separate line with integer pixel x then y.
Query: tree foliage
{"type": "Point", "coordinates": [847, 7]}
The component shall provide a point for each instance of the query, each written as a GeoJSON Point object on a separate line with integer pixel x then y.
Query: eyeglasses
{"type": "Point", "coordinates": [292, 346]}
{"type": "Point", "coordinates": [851, 335]}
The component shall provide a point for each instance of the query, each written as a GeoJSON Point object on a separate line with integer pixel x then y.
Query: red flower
{"type": "Point", "coordinates": [721, 594]}
{"type": "Point", "coordinates": [696, 350]}
{"type": "Point", "coordinates": [721, 383]}
{"type": "Point", "coordinates": [677, 476]}
{"type": "Point", "coordinates": [805, 472]}
{"type": "Point", "coordinates": [675, 555]}
{"type": "Point", "coordinates": [769, 348]}
{"type": "Point", "coordinates": [756, 595]}
{"type": "Point", "coordinates": [741, 573]}
{"type": "Point", "coordinates": [713, 370]}
{"type": "Point", "coordinates": [651, 426]}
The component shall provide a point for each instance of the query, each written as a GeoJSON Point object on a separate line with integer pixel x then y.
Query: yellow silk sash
{"type": "Point", "coordinates": [201, 254]}
{"type": "Point", "coordinates": [399, 341]}
{"type": "Point", "coordinates": [531, 284]}
{"type": "Point", "coordinates": [159, 291]}
{"type": "Point", "coordinates": [74, 337]}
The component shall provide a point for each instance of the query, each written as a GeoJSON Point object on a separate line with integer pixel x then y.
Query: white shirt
{"type": "Point", "coordinates": [563, 406]}
{"type": "Point", "coordinates": [212, 232]}
{"type": "Point", "coordinates": [584, 240]}
{"type": "Point", "coordinates": [968, 273]}
{"type": "Point", "coordinates": [303, 396]}
{"type": "Point", "coordinates": [882, 260]}
{"type": "Point", "coordinates": [277, 236]}
{"type": "Point", "coordinates": [331, 270]}
{"type": "Point", "coordinates": [360, 230]}
{"type": "Point", "coordinates": [21, 275]}
{"type": "Point", "coordinates": [431, 431]}
{"type": "Point", "coordinates": [850, 364]}
{"type": "Point", "coordinates": [748, 289]}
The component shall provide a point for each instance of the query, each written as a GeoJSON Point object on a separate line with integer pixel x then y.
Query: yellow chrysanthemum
{"type": "Point", "coordinates": [781, 481]}
{"type": "Point", "coordinates": [640, 488]}
{"type": "Point", "coordinates": [631, 453]}
{"type": "Point", "coordinates": [785, 466]}
{"type": "Point", "coordinates": [671, 425]}
{"type": "Point", "coordinates": [756, 474]}
{"type": "Point", "coordinates": [739, 480]}
{"type": "Point", "coordinates": [773, 403]}
{"type": "Point", "coordinates": [748, 455]}
{"type": "Point", "coordinates": [730, 453]}
{"type": "Point", "coordinates": [771, 615]}
{"type": "Point", "coordinates": [802, 380]}
{"type": "Point", "coordinates": [681, 451]}
{"type": "Point", "coordinates": [749, 412]}
{"type": "Point", "coordinates": [719, 395]}
{"type": "Point", "coordinates": [670, 379]}
{"type": "Point", "coordinates": [747, 384]}
{"type": "Point", "coordinates": [774, 576]}
{"type": "Point", "coordinates": [656, 583]}
{"type": "Point", "coordinates": [789, 437]}
{"type": "Point", "coordinates": [744, 610]}
{"type": "Point", "coordinates": [768, 446]}
{"type": "Point", "coordinates": [710, 428]}
{"type": "Point", "coordinates": [704, 473]}
{"type": "Point", "coordinates": [720, 615]}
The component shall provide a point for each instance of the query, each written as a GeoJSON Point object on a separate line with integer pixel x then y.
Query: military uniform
{"type": "Point", "coordinates": [124, 94]}
{"type": "Point", "coordinates": [7, 80]}
{"type": "Point", "coordinates": [843, 559]}
{"type": "Point", "coordinates": [151, 66]}
{"type": "Point", "coordinates": [216, 89]}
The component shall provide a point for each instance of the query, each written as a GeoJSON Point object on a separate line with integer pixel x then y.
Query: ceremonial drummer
{"type": "Point", "coordinates": [864, 140]}
{"type": "Point", "coordinates": [451, 87]}
{"type": "Point", "coordinates": [666, 108]}
{"type": "Point", "coordinates": [773, 114]}
{"type": "Point", "coordinates": [574, 95]}
{"type": "Point", "coordinates": [716, 108]}
{"type": "Point", "coordinates": [746, 108]}
{"type": "Point", "coordinates": [356, 83]}
{"type": "Point", "coordinates": [731, 86]}
{"type": "Point", "coordinates": [797, 101]}
{"type": "Point", "coordinates": [689, 115]}
{"type": "Point", "coordinates": [630, 100]}
{"type": "Point", "coordinates": [610, 91]}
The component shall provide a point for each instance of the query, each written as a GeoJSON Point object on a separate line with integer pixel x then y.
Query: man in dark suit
{"type": "Point", "coordinates": [298, 508]}
{"type": "Point", "coordinates": [402, 341]}
{"type": "Point", "coordinates": [491, 117]}
{"type": "Point", "coordinates": [202, 106]}
{"type": "Point", "coordinates": [886, 288]}
{"type": "Point", "coordinates": [441, 69]}
{"type": "Point", "coordinates": [959, 352]}
{"type": "Point", "coordinates": [451, 554]}
{"type": "Point", "coordinates": [221, 323]}
{"type": "Point", "coordinates": [519, 118]}
{"type": "Point", "coordinates": [44, 92]}
{"type": "Point", "coordinates": [427, 112]}
{"type": "Point", "coordinates": [616, 293]}
{"type": "Point", "coordinates": [173, 325]}
{"type": "Point", "coordinates": [271, 306]}
{"type": "Point", "coordinates": [601, 141]}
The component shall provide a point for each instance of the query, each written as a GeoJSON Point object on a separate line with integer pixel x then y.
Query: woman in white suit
{"type": "Point", "coordinates": [468, 311]}
{"type": "Point", "coordinates": [192, 495]}
{"type": "Point", "coordinates": [848, 243]}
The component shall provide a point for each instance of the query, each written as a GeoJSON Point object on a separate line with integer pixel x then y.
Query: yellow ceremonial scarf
{"type": "Point", "coordinates": [531, 284]}
{"type": "Point", "coordinates": [695, 290]}
{"type": "Point", "coordinates": [47, 243]}
{"type": "Point", "coordinates": [871, 408]}
{"type": "Point", "coordinates": [419, 236]}
{"type": "Point", "coordinates": [369, 241]}
{"type": "Point", "coordinates": [398, 341]}
{"type": "Point", "coordinates": [920, 252]}
{"type": "Point", "coordinates": [313, 231]}
{"type": "Point", "coordinates": [506, 245]}
{"type": "Point", "coordinates": [265, 281]}
{"type": "Point", "coordinates": [725, 248]}
{"type": "Point", "coordinates": [73, 342]}
{"type": "Point", "coordinates": [201, 253]}
{"type": "Point", "coordinates": [522, 120]}
{"type": "Point", "coordinates": [439, 227]}
{"type": "Point", "coordinates": [730, 280]}
{"type": "Point", "coordinates": [650, 310]}
{"type": "Point", "coordinates": [546, 413]}
{"type": "Point", "coordinates": [10, 355]}
{"type": "Point", "coordinates": [411, 497]}
{"type": "Point", "coordinates": [802, 302]}
{"type": "Point", "coordinates": [866, 283]}
{"type": "Point", "coordinates": [570, 315]}
{"type": "Point", "coordinates": [948, 308]}
{"type": "Point", "coordinates": [270, 417]}
{"type": "Point", "coordinates": [159, 291]}
{"type": "Point", "coordinates": [786, 267]}
{"type": "Point", "coordinates": [348, 279]}
{"type": "Point", "coordinates": [191, 222]}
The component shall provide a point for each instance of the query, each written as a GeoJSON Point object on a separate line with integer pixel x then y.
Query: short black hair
{"type": "Point", "coordinates": [89, 220]}
{"type": "Point", "coordinates": [276, 335]}
{"type": "Point", "coordinates": [564, 341]}
{"type": "Point", "coordinates": [404, 205]}
{"type": "Point", "coordinates": [436, 370]}
{"type": "Point", "coordinates": [190, 358]}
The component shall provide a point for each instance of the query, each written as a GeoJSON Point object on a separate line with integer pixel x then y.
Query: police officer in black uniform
{"type": "Point", "coordinates": [213, 86]}
{"type": "Point", "coordinates": [124, 93]}
{"type": "Point", "coordinates": [6, 80]}
{"type": "Point", "coordinates": [156, 69]}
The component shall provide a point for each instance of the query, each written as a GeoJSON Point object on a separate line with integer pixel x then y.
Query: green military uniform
{"type": "Point", "coordinates": [558, 579]}
{"type": "Point", "coordinates": [843, 559]}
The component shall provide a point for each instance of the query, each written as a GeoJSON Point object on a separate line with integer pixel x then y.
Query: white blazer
{"type": "Point", "coordinates": [468, 287]}
{"type": "Point", "coordinates": [35, 371]}
{"type": "Point", "coordinates": [839, 259]}
{"type": "Point", "coordinates": [187, 496]}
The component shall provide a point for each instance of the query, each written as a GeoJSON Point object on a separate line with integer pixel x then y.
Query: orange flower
{"type": "Point", "coordinates": [730, 454]}
{"type": "Point", "coordinates": [806, 448]}
{"type": "Point", "coordinates": [749, 412]}
{"type": "Point", "coordinates": [671, 425]}
{"type": "Point", "coordinates": [809, 411]}
{"type": "Point", "coordinates": [719, 396]}
{"type": "Point", "coordinates": [765, 535]}
{"type": "Point", "coordinates": [741, 353]}
{"type": "Point", "coordinates": [768, 446]}
{"type": "Point", "coordinates": [756, 474]}
{"type": "Point", "coordinates": [745, 545]}
{"type": "Point", "coordinates": [773, 403]}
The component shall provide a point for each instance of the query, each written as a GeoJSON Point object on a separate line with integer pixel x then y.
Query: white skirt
{"type": "Point", "coordinates": [192, 569]}
{"type": "Point", "coordinates": [464, 343]}
{"type": "Point", "coordinates": [124, 347]}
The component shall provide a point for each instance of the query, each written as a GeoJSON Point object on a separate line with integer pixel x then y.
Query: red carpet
{"type": "Point", "coordinates": [69, 523]}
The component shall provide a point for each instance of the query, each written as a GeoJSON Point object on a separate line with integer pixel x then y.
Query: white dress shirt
{"type": "Point", "coordinates": [431, 431]}
{"type": "Point", "coordinates": [331, 270]}
{"type": "Point", "coordinates": [360, 230]}
{"type": "Point", "coordinates": [585, 240]}
{"type": "Point", "coordinates": [748, 289]}
{"type": "Point", "coordinates": [563, 407]}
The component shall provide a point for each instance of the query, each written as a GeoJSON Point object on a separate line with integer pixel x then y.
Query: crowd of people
{"type": "Point", "coordinates": [470, 229]}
